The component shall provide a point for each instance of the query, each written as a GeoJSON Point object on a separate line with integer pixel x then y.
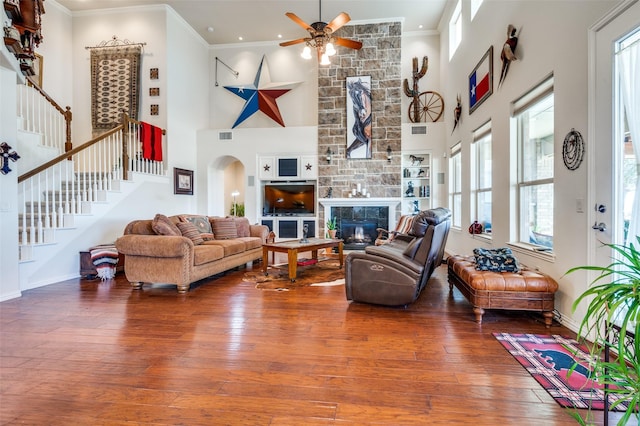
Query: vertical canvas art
{"type": "Point", "coordinates": [359, 117]}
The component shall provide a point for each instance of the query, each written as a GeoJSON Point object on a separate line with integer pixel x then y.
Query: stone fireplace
{"type": "Point", "coordinates": [358, 218]}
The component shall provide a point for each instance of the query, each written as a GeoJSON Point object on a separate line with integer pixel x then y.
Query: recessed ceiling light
{"type": "Point", "coordinates": [420, 26]}
{"type": "Point", "coordinates": [279, 35]}
{"type": "Point", "coordinates": [240, 38]}
{"type": "Point", "coordinates": [210, 29]}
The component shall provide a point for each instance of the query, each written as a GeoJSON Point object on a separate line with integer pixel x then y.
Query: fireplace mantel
{"type": "Point", "coordinates": [392, 203]}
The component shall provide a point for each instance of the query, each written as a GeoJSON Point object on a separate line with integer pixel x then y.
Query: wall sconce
{"type": "Point", "coordinates": [388, 153]}
{"type": "Point", "coordinates": [329, 154]}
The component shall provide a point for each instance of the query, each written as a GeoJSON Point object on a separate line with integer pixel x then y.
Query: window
{"type": "Point", "coordinates": [482, 151]}
{"type": "Point", "coordinates": [455, 29]}
{"type": "Point", "coordinates": [533, 114]}
{"type": "Point", "coordinates": [455, 186]}
{"type": "Point", "coordinates": [475, 5]}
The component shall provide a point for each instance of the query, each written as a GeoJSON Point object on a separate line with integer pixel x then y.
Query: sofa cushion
{"type": "Point", "coordinates": [242, 226]}
{"type": "Point", "coordinates": [250, 242]}
{"type": "Point", "coordinates": [496, 260]}
{"type": "Point", "coordinates": [162, 225]}
{"type": "Point", "coordinates": [190, 231]}
{"type": "Point", "coordinates": [230, 246]}
{"type": "Point", "coordinates": [224, 228]}
{"type": "Point", "coordinates": [206, 253]}
{"type": "Point", "coordinates": [201, 223]}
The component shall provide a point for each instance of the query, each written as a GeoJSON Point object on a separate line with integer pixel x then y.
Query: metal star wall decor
{"type": "Point", "coordinates": [261, 95]}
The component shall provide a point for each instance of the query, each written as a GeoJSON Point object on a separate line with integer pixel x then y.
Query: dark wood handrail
{"type": "Point", "coordinates": [62, 157]}
{"type": "Point", "coordinates": [66, 113]}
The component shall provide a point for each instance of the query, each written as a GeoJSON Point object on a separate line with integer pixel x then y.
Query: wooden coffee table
{"type": "Point", "coordinates": [293, 247]}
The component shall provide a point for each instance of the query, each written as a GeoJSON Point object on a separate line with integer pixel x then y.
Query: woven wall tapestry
{"type": "Point", "coordinates": [115, 85]}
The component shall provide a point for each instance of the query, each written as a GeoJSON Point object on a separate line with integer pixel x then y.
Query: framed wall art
{"type": "Point", "coordinates": [481, 81]}
{"type": "Point", "coordinates": [182, 181]}
{"type": "Point", "coordinates": [359, 117]}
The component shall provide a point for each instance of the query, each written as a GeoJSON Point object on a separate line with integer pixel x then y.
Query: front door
{"type": "Point", "coordinates": [613, 162]}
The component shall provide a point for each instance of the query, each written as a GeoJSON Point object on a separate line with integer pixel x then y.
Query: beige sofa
{"type": "Point", "coordinates": [181, 249]}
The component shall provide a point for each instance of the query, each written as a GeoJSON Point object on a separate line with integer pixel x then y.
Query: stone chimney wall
{"type": "Point", "coordinates": [379, 58]}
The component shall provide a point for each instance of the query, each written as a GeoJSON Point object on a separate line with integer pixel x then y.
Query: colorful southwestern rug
{"type": "Point", "coordinates": [549, 360]}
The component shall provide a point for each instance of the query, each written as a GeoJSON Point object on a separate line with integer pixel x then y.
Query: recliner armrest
{"type": "Point", "coordinates": [391, 256]}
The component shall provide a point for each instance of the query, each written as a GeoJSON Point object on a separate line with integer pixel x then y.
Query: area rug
{"type": "Point", "coordinates": [324, 273]}
{"type": "Point", "coordinates": [549, 359]}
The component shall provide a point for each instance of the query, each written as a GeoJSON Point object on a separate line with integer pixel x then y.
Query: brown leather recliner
{"type": "Point", "coordinates": [394, 274]}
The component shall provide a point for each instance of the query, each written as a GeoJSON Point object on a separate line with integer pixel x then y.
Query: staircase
{"type": "Point", "coordinates": [64, 198]}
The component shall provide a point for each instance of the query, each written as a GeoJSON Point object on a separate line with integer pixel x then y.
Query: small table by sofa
{"type": "Point", "coordinates": [293, 247]}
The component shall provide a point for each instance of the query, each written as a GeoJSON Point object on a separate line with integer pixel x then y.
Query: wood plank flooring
{"type": "Point", "coordinates": [86, 352]}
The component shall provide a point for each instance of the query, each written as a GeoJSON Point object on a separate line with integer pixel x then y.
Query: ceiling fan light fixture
{"type": "Point", "coordinates": [329, 49]}
{"type": "Point", "coordinates": [324, 60]}
{"type": "Point", "coordinates": [306, 52]}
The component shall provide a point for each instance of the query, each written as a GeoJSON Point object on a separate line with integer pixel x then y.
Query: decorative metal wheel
{"type": "Point", "coordinates": [427, 105]}
{"type": "Point", "coordinates": [573, 150]}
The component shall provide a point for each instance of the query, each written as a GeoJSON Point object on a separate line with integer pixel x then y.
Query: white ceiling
{"type": "Point", "coordinates": [264, 20]}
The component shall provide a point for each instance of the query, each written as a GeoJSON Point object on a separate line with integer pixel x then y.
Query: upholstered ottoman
{"type": "Point", "coordinates": [525, 290]}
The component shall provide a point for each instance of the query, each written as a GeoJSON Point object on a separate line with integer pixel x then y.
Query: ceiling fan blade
{"type": "Point", "coordinates": [292, 42]}
{"type": "Point", "coordinates": [351, 44]}
{"type": "Point", "coordinates": [299, 21]}
{"type": "Point", "coordinates": [338, 22]}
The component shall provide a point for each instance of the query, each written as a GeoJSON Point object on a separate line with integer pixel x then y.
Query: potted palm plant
{"type": "Point", "coordinates": [331, 227]}
{"type": "Point", "coordinates": [614, 298]}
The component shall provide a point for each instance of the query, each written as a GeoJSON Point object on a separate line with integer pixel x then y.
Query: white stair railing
{"type": "Point", "coordinates": [50, 195]}
{"type": "Point", "coordinates": [41, 114]}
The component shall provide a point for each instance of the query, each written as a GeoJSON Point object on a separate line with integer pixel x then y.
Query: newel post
{"type": "Point", "coordinates": [68, 146]}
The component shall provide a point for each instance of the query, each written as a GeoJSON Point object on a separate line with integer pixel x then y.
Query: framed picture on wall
{"type": "Point", "coordinates": [359, 117]}
{"type": "Point", "coordinates": [182, 181]}
{"type": "Point", "coordinates": [481, 81]}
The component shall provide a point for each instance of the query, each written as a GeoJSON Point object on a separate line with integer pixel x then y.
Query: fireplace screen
{"type": "Point", "coordinates": [358, 234]}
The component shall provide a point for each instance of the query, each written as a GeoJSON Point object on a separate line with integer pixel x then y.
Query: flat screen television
{"type": "Point", "coordinates": [296, 198]}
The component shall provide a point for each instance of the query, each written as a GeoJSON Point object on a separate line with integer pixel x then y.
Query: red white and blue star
{"type": "Point", "coordinates": [261, 96]}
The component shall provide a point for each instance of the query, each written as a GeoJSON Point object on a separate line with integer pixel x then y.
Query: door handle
{"type": "Point", "coordinates": [599, 226]}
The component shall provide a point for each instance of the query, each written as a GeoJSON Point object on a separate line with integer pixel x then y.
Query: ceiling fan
{"type": "Point", "coordinates": [321, 36]}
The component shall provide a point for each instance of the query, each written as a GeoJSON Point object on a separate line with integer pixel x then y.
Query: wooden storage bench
{"type": "Point", "coordinates": [525, 290]}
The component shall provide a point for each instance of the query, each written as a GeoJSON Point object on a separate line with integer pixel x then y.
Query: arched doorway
{"type": "Point", "coordinates": [225, 177]}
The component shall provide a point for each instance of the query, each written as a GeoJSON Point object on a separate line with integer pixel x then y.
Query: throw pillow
{"type": "Point", "coordinates": [162, 225]}
{"type": "Point", "coordinates": [242, 226]}
{"type": "Point", "coordinates": [190, 231]}
{"type": "Point", "coordinates": [496, 260]}
{"type": "Point", "coordinates": [201, 223]}
{"type": "Point", "coordinates": [224, 228]}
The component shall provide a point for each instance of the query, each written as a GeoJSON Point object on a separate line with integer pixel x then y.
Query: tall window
{"type": "Point", "coordinates": [482, 150]}
{"type": "Point", "coordinates": [628, 182]}
{"type": "Point", "coordinates": [455, 186]}
{"type": "Point", "coordinates": [475, 5]}
{"type": "Point", "coordinates": [455, 29]}
{"type": "Point", "coordinates": [534, 117]}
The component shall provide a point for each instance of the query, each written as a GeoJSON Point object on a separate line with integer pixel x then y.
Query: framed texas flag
{"type": "Point", "coordinates": [481, 81]}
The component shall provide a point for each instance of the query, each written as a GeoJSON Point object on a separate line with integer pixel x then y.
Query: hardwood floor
{"type": "Point", "coordinates": [85, 352]}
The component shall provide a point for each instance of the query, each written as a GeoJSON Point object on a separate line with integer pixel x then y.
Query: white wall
{"type": "Point", "coordinates": [247, 145]}
{"type": "Point", "coordinates": [418, 45]}
{"type": "Point", "coordinates": [9, 278]}
{"type": "Point", "coordinates": [553, 39]}
{"type": "Point", "coordinates": [298, 107]}
{"type": "Point", "coordinates": [57, 74]}
{"type": "Point", "coordinates": [136, 24]}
